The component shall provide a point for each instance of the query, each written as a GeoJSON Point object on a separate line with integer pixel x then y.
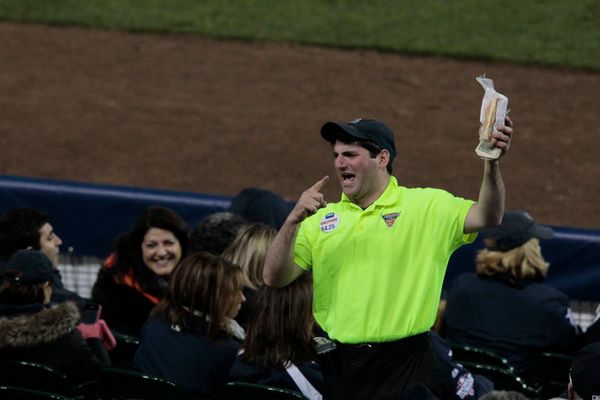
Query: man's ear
{"type": "Point", "coordinates": [384, 158]}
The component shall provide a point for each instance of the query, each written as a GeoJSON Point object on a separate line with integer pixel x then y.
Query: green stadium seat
{"type": "Point", "coordinates": [252, 391]}
{"type": "Point", "coordinates": [17, 393]}
{"type": "Point", "coordinates": [34, 376]}
{"type": "Point", "coordinates": [551, 372]}
{"type": "Point", "coordinates": [478, 355]}
{"type": "Point", "coordinates": [123, 353]}
{"type": "Point", "coordinates": [117, 384]}
{"type": "Point", "coordinates": [504, 379]}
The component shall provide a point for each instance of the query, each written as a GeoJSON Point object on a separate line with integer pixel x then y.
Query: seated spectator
{"type": "Point", "coordinates": [133, 278]}
{"type": "Point", "coordinates": [260, 205]}
{"type": "Point", "coordinates": [32, 329]}
{"type": "Point", "coordinates": [249, 250]}
{"type": "Point", "coordinates": [191, 337]}
{"type": "Point", "coordinates": [279, 349]}
{"type": "Point", "coordinates": [458, 382]}
{"type": "Point", "coordinates": [28, 228]}
{"type": "Point", "coordinates": [215, 232]}
{"type": "Point", "coordinates": [505, 307]}
{"type": "Point", "coordinates": [585, 374]}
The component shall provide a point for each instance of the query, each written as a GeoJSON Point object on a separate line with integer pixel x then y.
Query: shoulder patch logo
{"type": "Point", "coordinates": [390, 218]}
{"type": "Point", "coordinates": [329, 222]}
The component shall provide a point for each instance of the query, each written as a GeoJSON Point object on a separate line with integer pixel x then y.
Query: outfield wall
{"type": "Point", "coordinates": [88, 217]}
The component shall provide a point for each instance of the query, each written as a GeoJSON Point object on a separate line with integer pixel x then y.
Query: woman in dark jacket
{"type": "Point", "coordinates": [31, 329]}
{"type": "Point", "coordinates": [191, 337]}
{"type": "Point", "coordinates": [279, 349]}
{"type": "Point", "coordinates": [133, 278]}
{"type": "Point", "coordinates": [505, 307]}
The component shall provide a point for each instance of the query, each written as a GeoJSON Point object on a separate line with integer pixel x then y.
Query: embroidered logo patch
{"type": "Point", "coordinates": [329, 222]}
{"type": "Point", "coordinates": [390, 219]}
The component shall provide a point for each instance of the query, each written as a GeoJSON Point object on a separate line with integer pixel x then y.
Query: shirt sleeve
{"type": "Point", "coordinates": [303, 245]}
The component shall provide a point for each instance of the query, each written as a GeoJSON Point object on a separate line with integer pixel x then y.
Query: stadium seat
{"type": "Point", "coordinates": [477, 355]}
{"type": "Point", "coordinates": [252, 391]}
{"type": "Point", "coordinates": [504, 379]}
{"type": "Point", "coordinates": [16, 393]}
{"type": "Point", "coordinates": [116, 384]}
{"type": "Point", "coordinates": [34, 376]}
{"type": "Point", "coordinates": [551, 372]}
{"type": "Point", "coordinates": [123, 353]}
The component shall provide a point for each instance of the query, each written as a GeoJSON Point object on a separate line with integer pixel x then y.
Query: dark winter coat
{"type": "Point", "coordinates": [47, 335]}
{"type": "Point", "coordinates": [186, 356]}
{"type": "Point", "coordinates": [517, 321]}
{"type": "Point", "coordinates": [124, 308]}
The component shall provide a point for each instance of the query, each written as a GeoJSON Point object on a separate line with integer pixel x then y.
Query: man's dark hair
{"type": "Point", "coordinates": [215, 232]}
{"type": "Point", "coordinates": [20, 229]}
{"type": "Point", "coordinates": [371, 147]}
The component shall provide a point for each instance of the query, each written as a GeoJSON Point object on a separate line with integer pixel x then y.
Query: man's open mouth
{"type": "Point", "coordinates": [347, 178]}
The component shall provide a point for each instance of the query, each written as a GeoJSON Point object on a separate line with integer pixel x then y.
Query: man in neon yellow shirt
{"type": "Point", "coordinates": [378, 259]}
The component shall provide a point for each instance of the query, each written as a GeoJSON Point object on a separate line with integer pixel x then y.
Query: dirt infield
{"type": "Point", "coordinates": [188, 113]}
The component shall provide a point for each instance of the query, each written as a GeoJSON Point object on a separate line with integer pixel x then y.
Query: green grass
{"type": "Point", "coordinates": [558, 33]}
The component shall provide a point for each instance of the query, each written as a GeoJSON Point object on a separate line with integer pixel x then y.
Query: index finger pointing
{"type": "Point", "coordinates": [317, 186]}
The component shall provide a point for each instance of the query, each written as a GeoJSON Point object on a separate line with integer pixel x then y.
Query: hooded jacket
{"type": "Point", "coordinates": [47, 334]}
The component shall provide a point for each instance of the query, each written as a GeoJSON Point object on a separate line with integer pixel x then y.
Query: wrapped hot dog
{"type": "Point", "coordinates": [493, 112]}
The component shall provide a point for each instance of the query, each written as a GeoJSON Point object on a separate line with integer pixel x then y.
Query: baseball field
{"type": "Point", "coordinates": [196, 96]}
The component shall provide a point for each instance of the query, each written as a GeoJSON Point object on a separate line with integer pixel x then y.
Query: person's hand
{"type": "Point", "coordinates": [502, 135]}
{"type": "Point", "coordinates": [98, 330]}
{"type": "Point", "coordinates": [310, 201]}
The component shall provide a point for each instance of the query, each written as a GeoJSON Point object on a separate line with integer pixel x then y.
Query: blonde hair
{"type": "Point", "coordinates": [249, 250]}
{"type": "Point", "coordinates": [523, 262]}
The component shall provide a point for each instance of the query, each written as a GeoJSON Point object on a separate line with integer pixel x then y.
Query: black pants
{"type": "Point", "coordinates": [380, 370]}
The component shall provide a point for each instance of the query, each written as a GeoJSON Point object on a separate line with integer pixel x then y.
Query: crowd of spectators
{"type": "Point", "coordinates": [196, 299]}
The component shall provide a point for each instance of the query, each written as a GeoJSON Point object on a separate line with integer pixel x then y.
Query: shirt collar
{"type": "Point", "coordinates": [386, 198]}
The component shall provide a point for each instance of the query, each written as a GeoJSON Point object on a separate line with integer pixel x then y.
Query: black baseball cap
{"type": "Point", "coordinates": [585, 371]}
{"type": "Point", "coordinates": [33, 265]}
{"type": "Point", "coordinates": [369, 129]}
{"type": "Point", "coordinates": [517, 228]}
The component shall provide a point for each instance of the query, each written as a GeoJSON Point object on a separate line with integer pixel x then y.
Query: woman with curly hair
{"type": "Point", "coordinates": [133, 278]}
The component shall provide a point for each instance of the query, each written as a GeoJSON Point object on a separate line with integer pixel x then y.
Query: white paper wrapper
{"type": "Point", "coordinates": [493, 112]}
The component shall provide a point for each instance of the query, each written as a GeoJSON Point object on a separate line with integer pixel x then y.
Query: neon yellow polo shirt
{"type": "Point", "coordinates": [378, 272]}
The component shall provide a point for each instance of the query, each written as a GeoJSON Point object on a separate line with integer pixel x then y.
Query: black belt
{"type": "Point", "coordinates": [420, 338]}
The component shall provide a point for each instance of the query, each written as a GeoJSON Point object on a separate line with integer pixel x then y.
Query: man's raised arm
{"type": "Point", "coordinates": [280, 269]}
{"type": "Point", "coordinates": [489, 209]}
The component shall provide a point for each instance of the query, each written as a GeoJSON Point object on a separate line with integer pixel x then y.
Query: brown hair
{"type": "Point", "coordinates": [280, 325]}
{"type": "Point", "coordinates": [203, 283]}
{"type": "Point", "coordinates": [249, 250]}
{"type": "Point", "coordinates": [523, 263]}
